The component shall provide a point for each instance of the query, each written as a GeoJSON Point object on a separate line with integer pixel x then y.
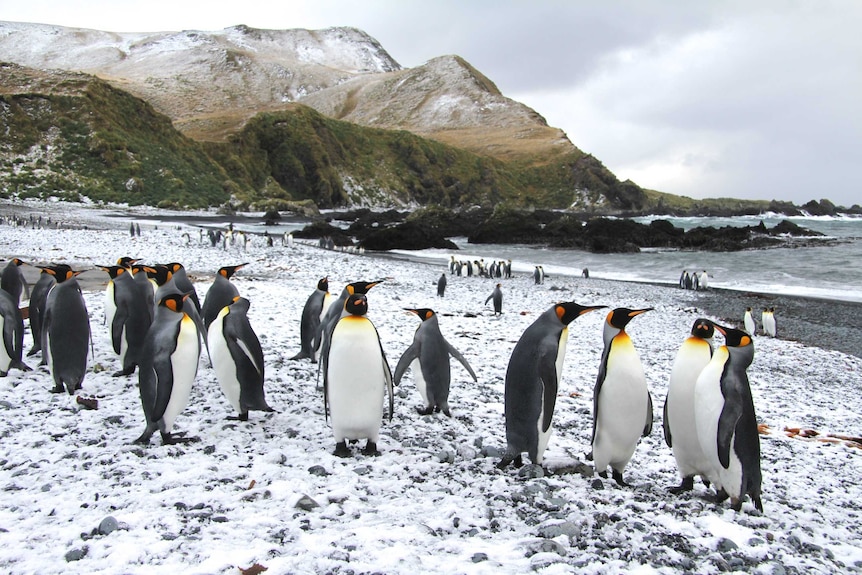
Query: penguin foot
{"type": "Point", "coordinates": [588, 456]}
{"type": "Point", "coordinates": [736, 504]}
{"type": "Point", "coordinates": [33, 351]}
{"type": "Point", "coordinates": [603, 474]}
{"type": "Point", "coordinates": [518, 462]}
{"type": "Point", "coordinates": [705, 482]}
{"type": "Point", "coordinates": [124, 371]}
{"type": "Point", "coordinates": [504, 463]}
{"type": "Point", "coordinates": [424, 410]}
{"type": "Point", "coordinates": [721, 495]}
{"type": "Point", "coordinates": [21, 365]}
{"type": "Point", "coordinates": [686, 485]}
{"type": "Point", "coordinates": [370, 449]}
{"type": "Point", "coordinates": [58, 388]}
{"type": "Point", "coordinates": [341, 449]}
{"type": "Point", "coordinates": [618, 477]}
{"type": "Point", "coordinates": [240, 417]}
{"type": "Point", "coordinates": [758, 504]}
{"type": "Point", "coordinates": [177, 439]}
{"type": "Point", "coordinates": [447, 413]}
{"type": "Point", "coordinates": [144, 439]}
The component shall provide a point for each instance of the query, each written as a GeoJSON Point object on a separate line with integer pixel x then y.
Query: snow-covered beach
{"type": "Point", "coordinates": [269, 491]}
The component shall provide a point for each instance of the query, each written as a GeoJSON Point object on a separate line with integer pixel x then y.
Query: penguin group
{"type": "Point", "coordinates": [768, 325]}
{"type": "Point", "coordinates": [694, 281]}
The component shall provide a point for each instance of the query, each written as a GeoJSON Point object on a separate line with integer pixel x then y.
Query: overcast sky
{"type": "Point", "coordinates": [748, 99]}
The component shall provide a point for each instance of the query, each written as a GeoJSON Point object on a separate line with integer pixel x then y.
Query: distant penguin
{"type": "Point", "coordinates": [688, 281]}
{"type": "Point", "coordinates": [309, 324]}
{"type": "Point", "coordinates": [508, 272]}
{"type": "Point", "coordinates": [221, 293]}
{"type": "Point", "coordinates": [726, 422]}
{"type": "Point", "coordinates": [622, 406]}
{"type": "Point", "coordinates": [748, 321]}
{"type": "Point", "coordinates": [682, 279]}
{"type": "Point", "coordinates": [66, 330]}
{"type": "Point", "coordinates": [356, 377]}
{"type": "Point", "coordinates": [428, 356]}
{"type": "Point", "coordinates": [441, 285]}
{"type": "Point", "coordinates": [129, 320]}
{"type": "Point", "coordinates": [12, 332]}
{"type": "Point", "coordinates": [169, 364]}
{"type": "Point", "coordinates": [497, 297]}
{"type": "Point", "coordinates": [452, 264]}
{"type": "Point", "coordinates": [680, 430]}
{"type": "Point", "coordinates": [769, 325]}
{"type": "Point", "coordinates": [704, 280]}
{"type": "Point", "coordinates": [237, 359]}
{"type": "Point", "coordinates": [38, 298]}
{"type": "Point", "coordinates": [12, 281]}
{"type": "Point", "coordinates": [539, 275]}
{"type": "Point", "coordinates": [533, 380]}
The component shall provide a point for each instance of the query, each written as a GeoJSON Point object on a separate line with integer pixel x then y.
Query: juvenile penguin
{"type": "Point", "coordinates": [441, 285]}
{"type": "Point", "coordinates": [497, 297]}
{"type": "Point", "coordinates": [221, 293]}
{"type": "Point", "coordinates": [680, 430]}
{"type": "Point", "coordinates": [129, 319]}
{"type": "Point", "coordinates": [726, 422]}
{"type": "Point", "coordinates": [237, 359]}
{"type": "Point", "coordinates": [169, 364]}
{"type": "Point", "coordinates": [532, 381]}
{"type": "Point", "coordinates": [38, 299]}
{"type": "Point", "coordinates": [622, 406]}
{"type": "Point", "coordinates": [12, 281]}
{"type": "Point", "coordinates": [428, 356]}
{"type": "Point", "coordinates": [12, 332]}
{"type": "Point", "coordinates": [356, 377]}
{"type": "Point", "coordinates": [66, 330]}
{"type": "Point", "coordinates": [748, 321]}
{"type": "Point", "coordinates": [309, 325]}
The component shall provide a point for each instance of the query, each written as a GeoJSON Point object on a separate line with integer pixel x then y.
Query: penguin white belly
{"type": "Point", "coordinates": [749, 324]}
{"type": "Point", "coordinates": [689, 363]}
{"type": "Point", "coordinates": [421, 384]}
{"type": "Point", "coordinates": [731, 478]}
{"type": "Point", "coordinates": [544, 437]}
{"type": "Point", "coordinates": [708, 403]}
{"type": "Point", "coordinates": [355, 380]}
{"type": "Point", "coordinates": [184, 364]}
{"type": "Point", "coordinates": [5, 360]}
{"type": "Point", "coordinates": [124, 346]}
{"type": "Point", "coordinates": [110, 306]}
{"type": "Point", "coordinates": [222, 361]}
{"type": "Point", "coordinates": [622, 407]}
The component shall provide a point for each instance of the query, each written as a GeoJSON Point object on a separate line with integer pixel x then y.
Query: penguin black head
{"type": "Point", "coordinates": [61, 272]}
{"type": "Point", "coordinates": [323, 284]}
{"type": "Point", "coordinates": [18, 262]}
{"type": "Point", "coordinates": [228, 271]}
{"type": "Point", "coordinates": [161, 274]}
{"type": "Point", "coordinates": [361, 287]}
{"type": "Point", "coordinates": [703, 328]}
{"type": "Point", "coordinates": [174, 301]}
{"type": "Point", "coordinates": [569, 311]}
{"type": "Point", "coordinates": [126, 261]}
{"type": "Point", "coordinates": [621, 316]}
{"type": "Point", "coordinates": [423, 312]}
{"type": "Point", "coordinates": [113, 271]}
{"type": "Point", "coordinates": [734, 337]}
{"type": "Point", "coordinates": [174, 267]}
{"type": "Point", "coordinates": [356, 304]}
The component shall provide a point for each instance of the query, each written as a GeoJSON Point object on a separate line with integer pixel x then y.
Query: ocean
{"type": "Point", "coordinates": [833, 271]}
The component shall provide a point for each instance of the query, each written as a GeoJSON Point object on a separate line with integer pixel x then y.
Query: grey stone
{"type": "Point", "coordinates": [306, 503]}
{"type": "Point", "coordinates": [479, 557]}
{"type": "Point", "coordinates": [108, 525]}
{"type": "Point", "coordinates": [76, 554]}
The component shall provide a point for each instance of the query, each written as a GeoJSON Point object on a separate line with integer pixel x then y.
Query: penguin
{"type": "Point", "coordinates": [441, 285]}
{"type": "Point", "coordinates": [538, 275]}
{"type": "Point", "coordinates": [169, 364]}
{"type": "Point", "coordinates": [336, 310]}
{"type": "Point", "coordinates": [221, 293]}
{"type": "Point", "coordinates": [622, 406]}
{"type": "Point", "coordinates": [726, 422]}
{"type": "Point", "coordinates": [680, 430]}
{"type": "Point", "coordinates": [532, 382]}
{"type": "Point", "coordinates": [682, 279]}
{"type": "Point", "coordinates": [12, 332]}
{"type": "Point", "coordinates": [184, 284]}
{"type": "Point", "coordinates": [508, 273]}
{"type": "Point", "coordinates": [497, 297]}
{"type": "Point", "coordinates": [65, 330]}
{"type": "Point", "coordinates": [146, 291]}
{"type": "Point", "coordinates": [129, 320]}
{"type": "Point", "coordinates": [704, 280]}
{"type": "Point", "coordinates": [769, 326]}
{"type": "Point", "coordinates": [309, 325]}
{"type": "Point", "coordinates": [748, 321]}
{"type": "Point", "coordinates": [237, 359]}
{"type": "Point", "coordinates": [12, 281]}
{"type": "Point", "coordinates": [356, 377]}
{"type": "Point", "coordinates": [179, 283]}
{"type": "Point", "coordinates": [428, 356]}
{"type": "Point", "coordinates": [38, 298]}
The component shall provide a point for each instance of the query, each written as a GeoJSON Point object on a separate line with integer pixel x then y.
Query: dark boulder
{"type": "Point", "coordinates": [406, 236]}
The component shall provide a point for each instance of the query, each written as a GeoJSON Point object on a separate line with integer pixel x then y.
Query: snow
{"type": "Point", "coordinates": [433, 501]}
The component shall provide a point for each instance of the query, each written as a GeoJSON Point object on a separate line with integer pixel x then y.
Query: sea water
{"type": "Point", "coordinates": [830, 271]}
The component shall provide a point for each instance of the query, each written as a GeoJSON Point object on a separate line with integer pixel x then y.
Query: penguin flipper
{"type": "Point", "coordinates": [603, 369]}
{"type": "Point", "coordinates": [120, 318]}
{"type": "Point", "coordinates": [9, 337]}
{"type": "Point", "coordinates": [666, 425]}
{"type": "Point", "coordinates": [407, 358]}
{"type": "Point", "coordinates": [457, 355]}
{"type": "Point", "coordinates": [164, 385]}
{"type": "Point", "coordinates": [730, 415]}
{"type": "Point", "coordinates": [648, 424]}
{"type": "Point", "coordinates": [548, 375]}
{"type": "Point", "coordinates": [387, 376]}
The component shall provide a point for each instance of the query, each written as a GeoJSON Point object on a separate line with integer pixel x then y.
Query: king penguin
{"type": "Point", "coordinates": [497, 297]}
{"type": "Point", "coordinates": [184, 284]}
{"type": "Point", "coordinates": [169, 364]}
{"type": "Point", "coordinates": [309, 325]}
{"type": "Point", "coordinates": [12, 332]}
{"type": "Point", "coordinates": [726, 422]}
{"type": "Point", "coordinates": [66, 330]}
{"type": "Point", "coordinates": [129, 319]}
{"type": "Point", "coordinates": [622, 406]}
{"type": "Point", "coordinates": [532, 382]}
{"type": "Point", "coordinates": [769, 325]}
{"type": "Point", "coordinates": [237, 359]}
{"type": "Point", "coordinates": [221, 293]}
{"type": "Point", "coordinates": [441, 285]}
{"type": "Point", "coordinates": [680, 430]}
{"type": "Point", "coordinates": [38, 299]}
{"type": "Point", "coordinates": [428, 356]}
{"type": "Point", "coordinates": [748, 321]}
{"type": "Point", "coordinates": [13, 282]}
{"type": "Point", "coordinates": [337, 310]}
{"type": "Point", "coordinates": [356, 377]}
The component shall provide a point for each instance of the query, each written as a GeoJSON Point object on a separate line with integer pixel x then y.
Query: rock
{"type": "Point", "coordinates": [318, 470]}
{"type": "Point", "coordinates": [76, 554]}
{"type": "Point", "coordinates": [306, 503]}
{"type": "Point", "coordinates": [479, 557]}
{"type": "Point", "coordinates": [531, 471]}
{"type": "Point", "coordinates": [597, 484]}
{"type": "Point", "coordinates": [542, 560]}
{"type": "Point", "coordinates": [445, 456]}
{"type": "Point", "coordinates": [491, 451]}
{"type": "Point", "coordinates": [552, 530]}
{"type": "Point", "coordinates": [726, 545]}
{"type": "Point", "coordinates": [108, 525]}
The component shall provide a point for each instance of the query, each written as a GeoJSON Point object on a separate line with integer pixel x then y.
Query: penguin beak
{"type": "Point", "coordinates": [591, 308]}
{"type": "Point", "coordinates": [637, 312]}
{"type": "Point", "coordinates": [722, 330]}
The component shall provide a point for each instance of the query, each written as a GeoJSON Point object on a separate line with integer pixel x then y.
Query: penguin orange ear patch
{"type": "Point", "coordinates": [744, 341]}
{"type": "Point", "coordinates": [560, 311]}
{"type": "Point", "coordinates": [428, 314]}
